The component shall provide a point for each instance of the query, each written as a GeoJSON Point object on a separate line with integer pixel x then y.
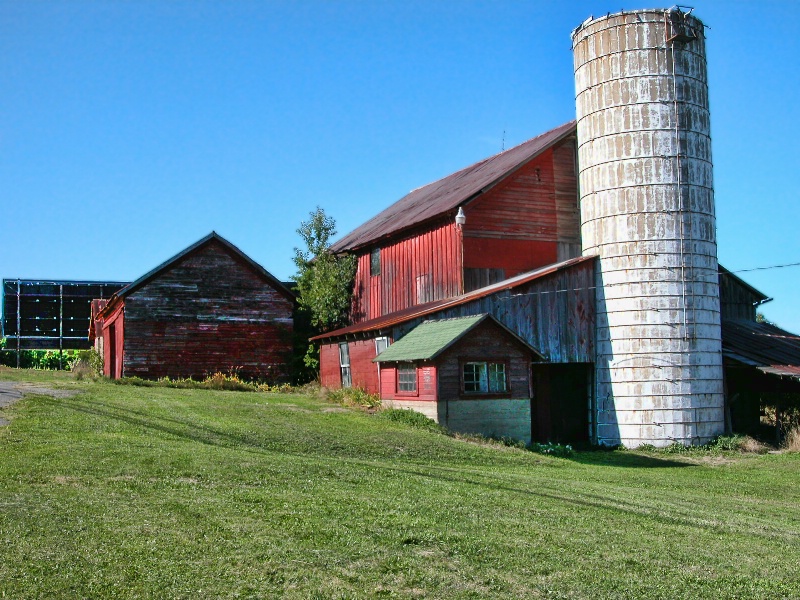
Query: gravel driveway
{"type": "Point", "coordinates": [11, 391]}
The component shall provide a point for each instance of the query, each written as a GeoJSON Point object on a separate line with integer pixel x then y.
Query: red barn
{"type": "Point", "coordinates": [209, 308]}
{"type": "Point", "coordinates": [521, 212]}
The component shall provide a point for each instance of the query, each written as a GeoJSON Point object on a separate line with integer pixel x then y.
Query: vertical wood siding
{"type": "Point", "coordinates": [427, 376]}
{"type": "Point", "coordinates": [554, 314]}
{"type": "Point", "coordinates": [363, 372]}
{"type": "Point", "coordinates": [736, 301]}
{"type": "Point", "coordinates": [419, 268]}
{"type": "Point", "coordinates": [113, 335]}
{"type": "Point", "coordinates": [568, 213]}
{"type": "Point", "coordinates": [330, 375]}
{"type": "Point", "coordinates": [209, 312]}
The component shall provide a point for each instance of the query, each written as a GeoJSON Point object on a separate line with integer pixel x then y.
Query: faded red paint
{"type": "Point", "coordinates": [427, 386]}
{"type": "Point", "coordinates": [208, 309]}
{"type": "Point", "coordinates": [414, 270]}
{"type": "Point", "coordinates": [363, 372]}
{"type": "Point", "coordinates": [528, 220]}
{"type": "Point", "coordinates": [330, 375]}
{"type": "Point", "coordinates": [514, 256]}
{"type": "Point", "coordinates": [113, 334]}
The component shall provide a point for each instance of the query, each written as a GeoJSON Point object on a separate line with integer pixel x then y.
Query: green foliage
{"type": "Point", "coordinates": [411, 418]}
{"type": "Point", "coordinates": [36, 359]}
{"type": "Point", "coordinates": [324, 280]}
{"type": "Point", "coordinates": [354, 396]}
{"type": "Point", "coordinates": [551, 449]}
{"type": "Point", "coordinates": [760, 318]}
{"type": "Point", "coordinates": [719, 445]}
{"type": "Point", "coordinates": [88, 363]}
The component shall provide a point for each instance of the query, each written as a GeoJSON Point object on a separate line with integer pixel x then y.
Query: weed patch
{"type": "Point", "coordinates": [354, 396]}
{"type": "Point", "coordinates": [411, 418]}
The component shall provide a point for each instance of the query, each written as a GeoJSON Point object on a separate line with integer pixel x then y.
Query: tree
{"type": "Point", "coordinates": [324, 280]}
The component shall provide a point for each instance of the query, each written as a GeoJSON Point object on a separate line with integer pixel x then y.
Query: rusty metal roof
{"type": "Point", "coordinates": [420, 310]}
{"type": "Point", "coordinates": [440, 197]}
{"type": "Point", "coordinates": [766, 347]}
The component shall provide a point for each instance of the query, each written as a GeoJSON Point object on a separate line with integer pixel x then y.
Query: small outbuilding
{"type": "Point", "coordinates": [210, 308]}
{"type": "Point", "coordinates": [470, 374]}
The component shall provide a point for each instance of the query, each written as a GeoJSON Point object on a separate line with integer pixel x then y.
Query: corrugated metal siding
{"type": "Point", "coordinates": [208, 312]}
{"type": "Point", "coordinates": [417, 269]}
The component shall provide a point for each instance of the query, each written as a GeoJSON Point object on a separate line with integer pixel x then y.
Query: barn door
{"type": "Point", "coordinates": [560, 403]}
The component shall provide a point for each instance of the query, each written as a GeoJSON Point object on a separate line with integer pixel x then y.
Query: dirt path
{"type": "Point", "coordinates": [11, 391]}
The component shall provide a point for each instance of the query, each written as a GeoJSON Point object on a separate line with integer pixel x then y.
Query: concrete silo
{"type": "Point", "coordinates": [647, 210]}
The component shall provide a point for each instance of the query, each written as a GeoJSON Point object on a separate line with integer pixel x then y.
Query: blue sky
{"type": "Point", "coordinates": [130, 129]}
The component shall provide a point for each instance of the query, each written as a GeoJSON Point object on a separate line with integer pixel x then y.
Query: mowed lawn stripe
{"type": "Point", "coordinates": [153, 492]}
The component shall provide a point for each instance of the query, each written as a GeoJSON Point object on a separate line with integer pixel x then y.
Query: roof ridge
{"type": "Point", "coordinates": [435, 199]}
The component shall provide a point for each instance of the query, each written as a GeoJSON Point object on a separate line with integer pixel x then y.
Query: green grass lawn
{"type": "Point", "coordinates": [124, 491]}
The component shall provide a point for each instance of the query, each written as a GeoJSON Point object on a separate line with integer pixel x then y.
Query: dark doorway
{"type": "Point", "coordinates": [560, 403]}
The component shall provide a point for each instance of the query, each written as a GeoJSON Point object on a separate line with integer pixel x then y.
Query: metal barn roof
{"type": "Point", "coordinates": [769, 348]}
{"type": "Point", "coordinates": [445, 195]}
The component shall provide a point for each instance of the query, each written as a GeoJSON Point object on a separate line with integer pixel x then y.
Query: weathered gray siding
{"type": "Point", "coordinates": [208, 313]}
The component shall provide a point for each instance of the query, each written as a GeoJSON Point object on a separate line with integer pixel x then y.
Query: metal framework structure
{"type": "Point", "coordinates": [50, 315]}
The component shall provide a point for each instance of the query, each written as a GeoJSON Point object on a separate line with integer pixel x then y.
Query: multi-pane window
{"type": "Point", "coordinates": [375, 261]}
{"type": "Point", "coordinates": [485, 377]}
{"type": "Point", "coordinates": [406, 378]}
{"type": "Point", "coordinates": [344, 364]}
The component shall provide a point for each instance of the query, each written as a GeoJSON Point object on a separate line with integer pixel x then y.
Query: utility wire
{"type": "Point", "coordinates": [699, 280]}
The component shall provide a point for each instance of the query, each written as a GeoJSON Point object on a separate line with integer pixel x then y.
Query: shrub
{"type": "Point", "coordinates": [354, 397]}
{"type": "Point", "coordinates": [559, 450]}
{"type": "Point", "coordinates": [791, 442]}
{"type": "Point", "coordinates": [411, 418]}
{"type": "Point", "coordinates": [87, 363]}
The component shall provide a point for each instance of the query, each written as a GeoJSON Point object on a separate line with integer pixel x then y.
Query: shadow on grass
{"type": "Point", "coordinates": [625, 459]}
{"type": "Point", "coordinates": [487, 481]}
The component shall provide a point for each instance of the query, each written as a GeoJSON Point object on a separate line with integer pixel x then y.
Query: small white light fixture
{"type": "Point", "coordinates": [461, 218]}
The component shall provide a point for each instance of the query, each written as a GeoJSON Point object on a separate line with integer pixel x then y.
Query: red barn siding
{"type": "Point", "coordinates": [209, 312]}
{"type": "Point", "coordinates": [113, 335]}
{"type": "Point", "coordinates": [565, 179]}
{"type": "Point", "coordinates": [427, 384]}
{"type": "Point", "coordinates": [418, 268]}
{"type": "Point", "coordinates": [330, 375]}
{"type": "Point", "coordinates": [530, 220]}
{"type": "Point", "coordinates": [522, 207]}
{"type": "Point", "coordinates": [363, 372]}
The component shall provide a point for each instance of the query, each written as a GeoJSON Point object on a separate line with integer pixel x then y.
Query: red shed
{"type": "Point", "coordinates": [471, 374]}
{"type": "Point", "coordinates": [209, 308]}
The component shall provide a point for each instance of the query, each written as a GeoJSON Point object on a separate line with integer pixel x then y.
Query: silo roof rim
{"type": "Point", "coordinates": [592, 18]}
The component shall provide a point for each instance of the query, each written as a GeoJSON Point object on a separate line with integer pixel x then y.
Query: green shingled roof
{"type": "Point", "coordinates": [427, 340]}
